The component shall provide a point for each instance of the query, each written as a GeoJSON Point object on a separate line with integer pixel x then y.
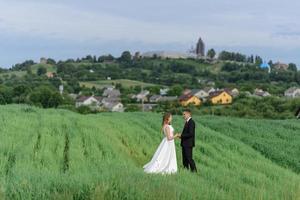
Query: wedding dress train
{"type": "Point", "coordinates": [164, 159]}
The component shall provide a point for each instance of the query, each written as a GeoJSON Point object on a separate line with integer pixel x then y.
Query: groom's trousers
{"type": "Point", "coordinates": [187, 158]}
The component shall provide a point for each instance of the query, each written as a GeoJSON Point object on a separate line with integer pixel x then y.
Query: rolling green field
{"type": "Point", "coordinates": [125, 83]}
{"type": "Point", "coordinates": [50, 68]}
{"type": "Point", "coordinates": [11, 73]}
{"type": "Point", "coordinates": [57, 154]}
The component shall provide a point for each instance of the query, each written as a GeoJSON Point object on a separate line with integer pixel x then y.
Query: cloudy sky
{"type": "Point", "coordinates": [74, 28]}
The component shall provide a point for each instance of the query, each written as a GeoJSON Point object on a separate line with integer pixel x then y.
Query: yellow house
{"type": "Point", "coordinates": [187, 99]}
{"type": "Point", "coordinates": [220, 97]}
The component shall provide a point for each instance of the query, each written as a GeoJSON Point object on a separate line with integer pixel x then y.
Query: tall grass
{"type": "Point", "coordinates": [56, 154]}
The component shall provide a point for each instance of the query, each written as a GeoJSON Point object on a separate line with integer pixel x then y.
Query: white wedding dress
{"type": "Point", "coordinates": [164, 159]}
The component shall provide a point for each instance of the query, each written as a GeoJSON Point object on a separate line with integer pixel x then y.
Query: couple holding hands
{"type": "Point", "coordinates": [164, 159]}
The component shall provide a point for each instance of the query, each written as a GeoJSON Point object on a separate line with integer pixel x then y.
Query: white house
{"type": "Point", "coordinates": [164, 91]}
{"type": "Point", "coordinates": [111, 92]}
{"type": "Point", "coordinates": [209, 89]}
{"type": "Point", "coordinates": [88, 101]}
{"type": "Point", "coordinates": [114, 107]}
{"type": "Point", "coordinates": [235, 92]}
{"type": "Point", "coordinates": [292, 92]}
{"type": "Point", "coordinates": [261, 93]}
{"type": "Point", "coordinates": [155, 98]}
{"type": "Point", "coordinates": [200, 93]}
{"type": "Point", "coordinates": [142, 95]}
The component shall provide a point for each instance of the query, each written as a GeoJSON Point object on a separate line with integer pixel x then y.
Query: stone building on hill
{"type": "Point", "coordinates": [200, 48]}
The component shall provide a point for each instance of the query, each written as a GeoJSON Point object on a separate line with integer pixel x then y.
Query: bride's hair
{"type": "Point", "coordinates": [165, 120]}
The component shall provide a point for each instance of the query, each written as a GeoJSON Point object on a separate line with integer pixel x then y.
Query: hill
{"type": "Point", "coordinates": [124, 82]}
{"type": "Point", "coordinates": [57, 154]}
{"type": "Point", "coordinates": [48, 67]}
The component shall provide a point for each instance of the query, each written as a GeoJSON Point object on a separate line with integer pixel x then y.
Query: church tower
{"type": "Point", "coordinates": [200, 48]}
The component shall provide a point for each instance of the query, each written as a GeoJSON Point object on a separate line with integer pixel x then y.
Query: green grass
{"type": "Point", "coordinates": [125, 83]}
{"type": "Point", "coordinates": [34, 68]}
{"type": "Point", "coordinates": [57, 154]}
{"type": "Point", "coordinates": [50, 68]}
{"type": "Point", "coordinates": [9, 74]}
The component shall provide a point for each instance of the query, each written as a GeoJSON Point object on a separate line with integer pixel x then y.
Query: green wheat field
{"type": "Point", "coordinates": [58, 154]}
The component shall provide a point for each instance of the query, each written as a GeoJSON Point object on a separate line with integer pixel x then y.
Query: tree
{"type": "Point", "coordinates": [88, 58]}
{"type": "Point", "coordinates": [84, 110]}
{"type": "Point", "coordinates": [270, 63]}
{"type": "Point", "coordinates": [29, 71]}
{"type": "Point", "coordinates": [175, 90]}
{"type": "Point", "coordinates": [292, 67]}
{"type": "Point", "coordinates": [41, 71]}
{"type": "Point", "coordinates": [251, 59]}
{"type": "Point", "coordinates": [106, 58]}
{"type": "Point", "coordinates": [6, 94]}
{"type": "Point", "coordinates": [125, 57]}
{"type": "Point", "coordinates": [258, 60]}
{"type": "Point", "coordinates": [211, 53]}
{"type": "Point", "coordinates": [225, 55]}
{"type": "Point", "coordinates": [51, 61]}
{"type": "Point", "coordinates": [46, 97]}
{"type": "Point", "coordinates": [23, 66]}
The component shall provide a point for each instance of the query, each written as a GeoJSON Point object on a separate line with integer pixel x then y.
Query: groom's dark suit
{"type": "Point", "coordinates": [187, 144]}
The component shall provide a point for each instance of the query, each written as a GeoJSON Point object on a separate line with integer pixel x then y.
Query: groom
{"type": "Point", "coordinates": [188, 141]}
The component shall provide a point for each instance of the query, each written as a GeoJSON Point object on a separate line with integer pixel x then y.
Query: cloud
{"type": "Point", "coordinates": [116, 25]}
{"type": "Point", "coordinates": [62, 22]}
{"type": "Point", "coordinates": [221, 27]}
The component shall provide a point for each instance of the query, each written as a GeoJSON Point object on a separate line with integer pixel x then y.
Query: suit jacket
{"type": "Point", "coordinates": [297, 113]}
{"type": "Point", "coordinates": [188, 134]}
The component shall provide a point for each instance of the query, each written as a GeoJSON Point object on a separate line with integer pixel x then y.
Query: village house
{"type": "Point", "coordinates": [111, 92]}
{"type": "Point", "coordinates": [186, 91]}
{"type": "Point", "coordinates": [50, 74]}
{"type": "Point", "coordinates": [114, 106]}
{"type": "Point", "coordinates": [220, 97]}
{"type": "Point", "coordinates": [155, 98]}
{"type": "Point", "coordinates": [292, 92]}
{"type": "Point", "coordinates": [91, 101]}
{"type": "Point", "coordinates": [187, 99]}
{"type": "Point", "coordinates": [110, 100]}
{"type": "Point", "coordinates": [142, 96]}
{"type": "Point", "coordinates": [159, 98]}
{"type": "Point", "coordinates": [209, 89]}
{"type": "Point", "coordinates": [261, 93]}
{"type": "Point", "coordinates": [200, 93]}
{"type": "Point", "coordinates": [163, 91]}
{"type": "Point", "coordinates": [235, 92]}
{"type": "Point", "coordinates": [280, 66]}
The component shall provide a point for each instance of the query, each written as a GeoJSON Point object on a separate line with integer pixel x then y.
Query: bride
{"type": "Point", "coordinates": [164, 159]}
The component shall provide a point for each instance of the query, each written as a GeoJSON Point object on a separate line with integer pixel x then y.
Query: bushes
{"type": "Point", "coordinates": [268, 107]}
{"type": "Point", "coordinates": [45, 97]}
{"type": "Point", "coordinates": [84, 110]}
